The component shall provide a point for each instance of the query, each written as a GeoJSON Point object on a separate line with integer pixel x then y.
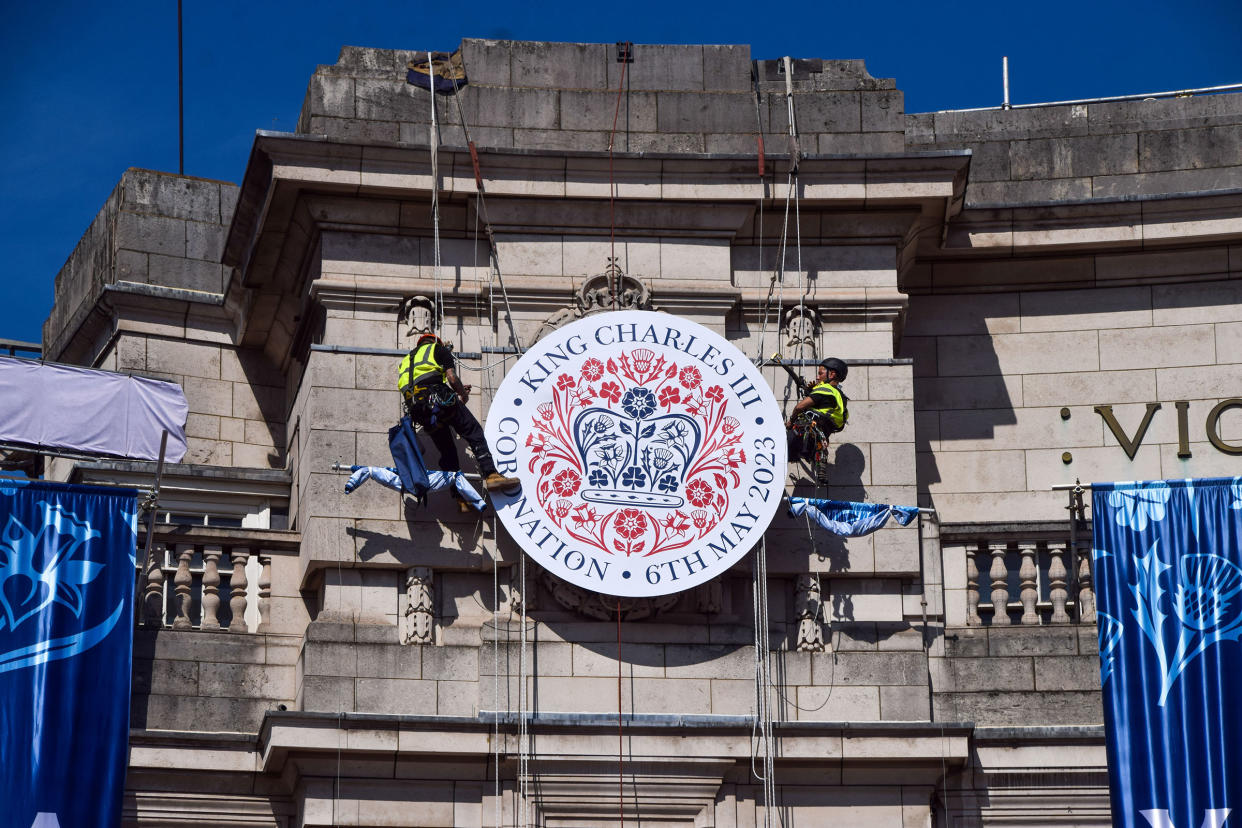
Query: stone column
{"type": "Point", "coordinates": [999, 573]}
{"type": "Point", "coordinates": [183, 582]}
{"type": "Point", "coordinates": [1057, 592]}
{"type": "Point", "coordinates": [265, 591]}
{"type": "Point", "coordinates": [972, 589]}
{"type": "Point", "coordinates": [211, 588]}
{"type": "Point", "coordinates": [238, 558]}
{"type": "Point", "coordinates": [1028, 573]}
{"type": "Point", "coordinates": [153, 594]}
{"type": "Point", "coordinates": [1086, 593]}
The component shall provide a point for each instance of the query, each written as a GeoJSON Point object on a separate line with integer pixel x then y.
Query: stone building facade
{"type": "Point", "coordinates": [1026, 297]}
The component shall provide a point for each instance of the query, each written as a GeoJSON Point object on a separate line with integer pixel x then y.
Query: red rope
{"type": "Point", "coordinates": [612, 202]}
{"type": "Point", "coordinates": [478, 175]}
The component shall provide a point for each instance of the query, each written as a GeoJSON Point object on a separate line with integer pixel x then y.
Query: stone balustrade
{"type": "Point", "coordinates": [1013, 577]}
{"type": "Point", "coordinates": [207, 583]}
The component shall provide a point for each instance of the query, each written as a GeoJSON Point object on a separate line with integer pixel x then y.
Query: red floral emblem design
{"type": "Point", "coordinates": [635, 456]}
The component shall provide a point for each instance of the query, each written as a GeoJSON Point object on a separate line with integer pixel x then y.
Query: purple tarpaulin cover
{"type": "Point", "coordinates": [85, 410]}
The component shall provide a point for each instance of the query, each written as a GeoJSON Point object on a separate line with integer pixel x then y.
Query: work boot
{"type": "Point", "coordinates": [496, 481]}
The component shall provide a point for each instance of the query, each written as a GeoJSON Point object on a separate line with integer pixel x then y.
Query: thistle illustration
{"type": "Point", "coordinates": [39, 568]}
{"type": "Point", "coordinates": [1207, 600]}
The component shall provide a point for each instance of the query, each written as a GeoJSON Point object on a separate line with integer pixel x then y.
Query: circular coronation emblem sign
{"type": "Point", "coordinates": [651, 453]}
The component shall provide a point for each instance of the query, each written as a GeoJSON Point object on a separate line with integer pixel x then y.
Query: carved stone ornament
{"type": "Point", "coordinates": [420, 607]}
{"type": "Point", "coordinates": [709, 597]}
{"type": "Point", "coordinates": [604, 607]}
{"type": "Point", "coordinates": [522, 596]}
{"type": "Point", "coordinates": [595, 295]}
{"type": "Point", "coordinates": [808, 608]}
{"type": "Point", "coordinates": [418, 314]}
{"type": "Point", "coordinates": [800, 326]}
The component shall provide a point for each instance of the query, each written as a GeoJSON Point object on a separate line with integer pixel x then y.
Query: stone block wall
{"type": "Point", "coordinates": [221, 682]}
{"type": "Point", "coordinates": [563, 96]}
{"type": "Point", "coordinates": [154, 229]}
{"type": "Point", "coordinates": [236, 396]}
{"type": "Point", "coordinates": [152, 260]}
{"type": "Point", "coordinates": [1091, 151]}
{"type": "Point", "coordinates": [1039, 676]}
{"type": "Point", "coordinates": [360, 667]}
{"type": "Point", "coordinates": [992, 372]}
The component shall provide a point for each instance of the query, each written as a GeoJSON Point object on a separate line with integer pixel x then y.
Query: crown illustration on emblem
{"type": "Point", "coordinates": [634, 456]}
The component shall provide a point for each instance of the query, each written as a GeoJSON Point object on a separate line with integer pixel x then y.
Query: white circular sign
{"type": "Point", "coordinates": [651, 453]}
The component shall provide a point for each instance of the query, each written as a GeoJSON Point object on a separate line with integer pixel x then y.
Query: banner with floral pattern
{"type": "Point", "coordinates": [1169, 587]}
{"type": "Point", "coordinates": [67, 558]}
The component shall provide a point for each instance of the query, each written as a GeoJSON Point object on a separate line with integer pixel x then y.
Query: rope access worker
{"type": "Point", "coordinates": [825, 406]}
{"type": "Point", "coordinates": [436, 399]}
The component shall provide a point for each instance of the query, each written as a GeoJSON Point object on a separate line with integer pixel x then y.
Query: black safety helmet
{"type": "Point", "coordinates": [834, 364]}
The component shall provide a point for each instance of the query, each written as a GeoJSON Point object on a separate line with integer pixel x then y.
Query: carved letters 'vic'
{"type": "Point", "coordinates": [1130, 445]}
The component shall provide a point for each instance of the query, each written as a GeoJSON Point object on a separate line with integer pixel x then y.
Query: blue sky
{"type": "Point", "coordinates": [89, 89]}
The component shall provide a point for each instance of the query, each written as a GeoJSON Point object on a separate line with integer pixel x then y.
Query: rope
{"type": "Point", "coordinates": [612, 189]}
{"type": "Point", "coordinates": [489, 393]}
{"type": "Point", "coordinates": [523, 729]}
{"type": "Point", "coordinates": [777, 282]}
{"type": "Point", "coordinates": [481, 205]}
{"type": "Point", "coordinates": [434, 143]}
{"type": "Point", "coordinates": [763, 193]}
{"type": "Point", "coordinates": [763, 685]}
{"type": "Point", "coordinates": [496, 679]}
{"type": "Point", "coordinates": [620, 726]}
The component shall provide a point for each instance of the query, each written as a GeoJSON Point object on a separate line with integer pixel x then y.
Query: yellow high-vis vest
{"type": "Point", "coordinates": [416, 366]}
{"type": "Point", "coordinates": [838, 415]}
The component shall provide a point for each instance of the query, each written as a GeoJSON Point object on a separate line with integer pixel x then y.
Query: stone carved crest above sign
{"type": "Point", "coordinates": [650, 451]}
{"type": "Point", "coordinates": [418, 314]}
{"type": "Point", "coordinates": [801, 329]}
{"type": "Point", "coordinates": [611, 290]}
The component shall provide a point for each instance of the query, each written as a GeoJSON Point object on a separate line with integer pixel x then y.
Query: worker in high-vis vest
{"type": "Point", "coordinates": [436, 399]}
{"type": "Point", "coordinates": [825, 405]}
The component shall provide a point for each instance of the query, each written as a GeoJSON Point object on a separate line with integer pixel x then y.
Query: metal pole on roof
{"type": "Point", "coordinates": [1005, 74]}
{"type": "Point", "coordinates": [180, 98]}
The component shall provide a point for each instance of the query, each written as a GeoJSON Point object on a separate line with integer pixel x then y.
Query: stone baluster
{"type": "Point", "coordinates": [420, 606]}
{"type": "Point", "coordinates": [183, 583]}
{"type": "Point", "coordinates": [999, 573]}
{"type": "Point", "coordinates": [1086, 593]}
{"type": "Point", "coordinates": [972, 589]}
{"type": "Point", "coordinates": [1057, 592]}
{"type": "Point", "coordinates": [808, 608]}
{"type": "Point", "coordinates": [265, 591]}
{"type": "Point", "coordinates": [211, 588]}
{"type": "Point", "coordinates": [153, 593]}
{"type": "Point", "coordinates": [238, 557]}
{"type": "Point", "coordinates": [1028, 573]}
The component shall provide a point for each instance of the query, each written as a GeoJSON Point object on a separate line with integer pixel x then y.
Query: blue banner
{"type": "Point", "coordinates": [1169, 589]}
{"type": "Point", "coordinates": [851, 520]}
{"type": "Point", "coordinates": [67, 556]}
